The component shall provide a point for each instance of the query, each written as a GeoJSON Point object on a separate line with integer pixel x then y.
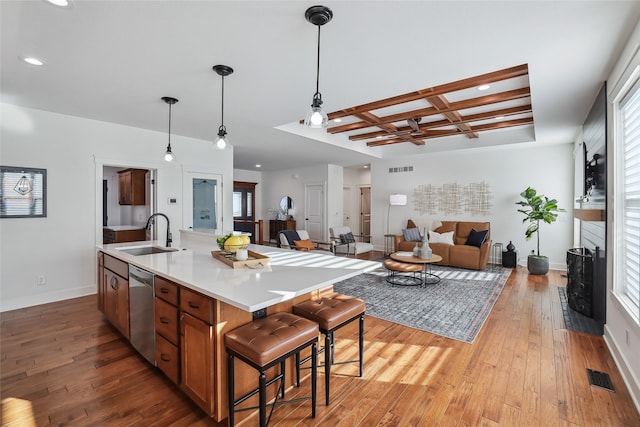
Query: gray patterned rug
{"type": "Point", "coordinates": [456, 307]}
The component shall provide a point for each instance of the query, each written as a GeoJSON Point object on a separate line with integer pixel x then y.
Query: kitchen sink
{"type": "Point", "coordinates": [147, 250]}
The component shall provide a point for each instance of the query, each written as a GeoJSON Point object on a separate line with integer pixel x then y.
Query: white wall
{"type": "Point", "coordinates": [622, 332]}
{"type": "Point", "coordinates": [507, 170]}
{"type": "Point", "coordinates": [61, 246]}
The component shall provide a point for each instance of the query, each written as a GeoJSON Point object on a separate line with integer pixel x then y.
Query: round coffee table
{"type": "Point", "coordinates": [428, 277]}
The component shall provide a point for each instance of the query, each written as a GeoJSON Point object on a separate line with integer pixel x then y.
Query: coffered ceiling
{"type": "Point", "coordinates": [382, 63]}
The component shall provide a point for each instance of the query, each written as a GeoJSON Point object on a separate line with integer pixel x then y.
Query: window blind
{"type": "Point", "coordinates": [630, 198]}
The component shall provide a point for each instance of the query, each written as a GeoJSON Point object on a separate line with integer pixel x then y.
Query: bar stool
{"type": "Point", "coordinates": [332, 313]}
{"type": "Point", "coordinates": [263, 344]}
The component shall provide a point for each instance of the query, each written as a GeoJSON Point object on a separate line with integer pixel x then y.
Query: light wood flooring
{"type": "Point", "coordinates": [62, 364]}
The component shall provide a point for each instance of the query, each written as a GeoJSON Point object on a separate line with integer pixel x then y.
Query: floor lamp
{"type": "Point", "coordinates": [395, 200]}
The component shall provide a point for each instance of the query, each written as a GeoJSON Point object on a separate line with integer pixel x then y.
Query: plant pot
{"type": "Point", "coordinates": [538, 265]}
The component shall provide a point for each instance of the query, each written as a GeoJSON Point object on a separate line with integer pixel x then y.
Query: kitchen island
{"type": "Point", "coordinates": [198, 299]}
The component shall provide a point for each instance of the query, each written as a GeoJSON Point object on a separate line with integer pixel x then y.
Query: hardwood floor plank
{"type": "Point", "coordinates": [62, 364]}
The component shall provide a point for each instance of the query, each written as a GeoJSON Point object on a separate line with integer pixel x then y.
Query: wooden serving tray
{"type": "Point", "coordinates": [255, 259]}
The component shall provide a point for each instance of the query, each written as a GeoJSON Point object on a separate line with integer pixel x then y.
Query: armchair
{"type": "Point", "coordinates": [346, 243]}
{"type": "Point", "coordinates": [287, 239]}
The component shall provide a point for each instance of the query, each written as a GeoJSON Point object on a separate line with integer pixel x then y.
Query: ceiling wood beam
{"type": "Point", "coordinates": [459, 105]}
{"type": "Point", "coordinates": [496, 76]}
{"type": "Point", "coordinates": [442, 104]}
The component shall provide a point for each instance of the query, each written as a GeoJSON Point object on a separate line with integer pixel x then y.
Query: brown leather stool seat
{"type": "Point", "coordinates": [263, 344]}
{"type": "Point", "coordinates": [332, 313]}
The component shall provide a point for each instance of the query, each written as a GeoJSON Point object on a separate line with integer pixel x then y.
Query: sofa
{"type": "Point", "coordinates": [455, 252]}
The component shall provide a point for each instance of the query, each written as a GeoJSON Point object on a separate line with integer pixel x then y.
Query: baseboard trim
{"type": "Point", "coordinates": [632, 383]}
{"type": "Point", "coordinates": [45, 298]}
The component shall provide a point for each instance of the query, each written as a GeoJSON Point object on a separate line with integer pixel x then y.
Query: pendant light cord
{"type": "Point", "coordinates": [222, 119]}
{"type": "Point", "coordinates": [318, 66]}
{"type": "Point", "coordinates": [169, 124]}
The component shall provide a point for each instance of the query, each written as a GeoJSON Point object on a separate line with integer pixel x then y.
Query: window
{"type": "Point", "coordinates": [627, 208]}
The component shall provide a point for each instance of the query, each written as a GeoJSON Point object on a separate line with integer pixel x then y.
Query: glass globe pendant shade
{"type": "Point", "coordinates": [316, 117]}
{"type": "Point", "coordinates": [222, 142]}
{"type": "Point", "coordinates": [169, 156]}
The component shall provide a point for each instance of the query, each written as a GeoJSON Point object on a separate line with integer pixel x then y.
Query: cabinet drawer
{"type": "Point", "coordinates": [166, 290]}
{"type": "Point", "coordinates": [167, 320]}
{"type": "Point", "coordinates": [196, 304]}
{"type": "Point", "coordinates": [167, 358]}
{"type": "Point", "coordinates": [121, 268]}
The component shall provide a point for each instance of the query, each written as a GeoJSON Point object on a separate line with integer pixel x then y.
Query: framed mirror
{"type": "Point", "coordinates": [285, 204]}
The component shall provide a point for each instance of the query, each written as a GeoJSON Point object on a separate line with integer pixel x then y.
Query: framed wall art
{"type": "Point", "coordinates": [23, 192]}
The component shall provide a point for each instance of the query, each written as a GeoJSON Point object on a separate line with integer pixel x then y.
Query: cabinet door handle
{"type": "Point", "coordinates": [164, 320]}
{"type": "Point", "coordinates": [192, 305]}
{"type": "Point", "coordinates": [113, 282]}
{"type": "Point", "coordinates": [164, 290]}
{"type": "Point", "coordinates": [165, 358]}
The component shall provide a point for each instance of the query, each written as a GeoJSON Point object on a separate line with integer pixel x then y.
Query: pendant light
{"type": "Point", "coordinates": [316, 117]}
{"type": "Point", "coordinates": [169, 156]}
{"type": "Point", "coordinates": [222, 142]}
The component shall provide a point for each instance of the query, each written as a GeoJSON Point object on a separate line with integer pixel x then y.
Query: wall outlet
{"type": "Point", "coordinates": [42, 280]}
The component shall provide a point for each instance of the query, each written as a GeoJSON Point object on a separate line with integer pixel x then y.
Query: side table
{"type": "Point", "coordinates": [510, 259]}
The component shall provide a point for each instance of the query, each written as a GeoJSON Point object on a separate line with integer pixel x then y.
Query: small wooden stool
{"type": "Point", "coordinates": [332, 313]}
{"type": "Point", "coordinates": [263, 344]}
{"type": "Point", "coordinates": [397, 273]}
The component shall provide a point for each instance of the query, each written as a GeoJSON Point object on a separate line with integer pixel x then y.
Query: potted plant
{"type": "Point", "coordinates": [536, 208]}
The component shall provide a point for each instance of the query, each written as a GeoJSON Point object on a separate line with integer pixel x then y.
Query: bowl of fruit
{"type": "Point", "coordinates": [232, 242]}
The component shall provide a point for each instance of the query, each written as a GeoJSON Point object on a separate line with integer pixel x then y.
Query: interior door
{"type": "Point", "coordinates": [365, 213]}
{"type": "Point", "coordinates": [314, 211]}
{"type": "Point", "coordinates": [202, 207]}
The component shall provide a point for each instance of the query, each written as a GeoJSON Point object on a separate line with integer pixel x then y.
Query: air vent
{"type": "Point", "coordinates": [401, 169]}
{"type": "Point", "coordinates": [600, 379]}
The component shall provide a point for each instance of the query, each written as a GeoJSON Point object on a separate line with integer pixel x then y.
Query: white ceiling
{"type": "Point", "coordinates": [114, 60]}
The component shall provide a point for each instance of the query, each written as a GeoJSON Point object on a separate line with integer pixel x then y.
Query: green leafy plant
{"type": "Point", "coordinates": [220, 241]}
{"type": "Point", "coordinates": [536, 208]}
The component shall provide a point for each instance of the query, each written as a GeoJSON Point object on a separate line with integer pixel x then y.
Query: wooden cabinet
{"type": "Point", "coordinates": [166, 322]}
{"type": "Point", "coordinates": [120, 236]}
{"type": "Point", "coordinates": [131, 187]}
{"type": "Point", "coordinates": [116, 299]}
{"type": "Point", "coordinates": [276, 225]}
{"type": "Point", "coordinates": [196, 350]}
{"type": "Point", "coordinates": [101, 291]}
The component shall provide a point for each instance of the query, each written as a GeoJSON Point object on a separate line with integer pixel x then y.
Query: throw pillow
{"type": "Point", "coordinates": [411, 235]}
{"type": "Point", "coordinates": [305, 245]}
{"type": "Point", "coordinates": [347, 238]}
{"type": "Point", "coordinates": [477, 238]}
{"type": "Point", "coordinates": [446, 238]}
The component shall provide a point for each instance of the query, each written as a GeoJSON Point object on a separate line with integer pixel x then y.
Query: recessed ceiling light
{"type": "Point", "coordinates": [483, 87]}
{"type": "Point", "coordinates": [499, 117]}
{"type": "Point", "coordinates": [337, 120]}
{"type": "Point", "coordinates": [61, 3]}
{"type": "Point", "coordinates": [366, 166]}
{"type": "Point", "coordinates": [379, 137]}
{"type": "Point", "coordinates": [33, 61]}
{"type": "Point", "coordinates": [258, 166]}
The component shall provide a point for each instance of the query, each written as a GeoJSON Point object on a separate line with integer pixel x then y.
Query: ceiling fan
{"type": "Point", "coordinates": [413, 124]}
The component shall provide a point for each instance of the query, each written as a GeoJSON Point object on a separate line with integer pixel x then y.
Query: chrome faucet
{"type": "Point", "coordinates": [150, 221]}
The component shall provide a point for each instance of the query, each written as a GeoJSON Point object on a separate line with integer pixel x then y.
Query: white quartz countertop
{"type": "Point", "coordinates": [290, 273]}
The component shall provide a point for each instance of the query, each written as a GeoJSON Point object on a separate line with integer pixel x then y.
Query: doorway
{"type": "Point", "coordinates": [365, 213]}
{"type": "Point", "coordinates": [244, 207]}
{"type": "Point", "coordinates": [314, 211]}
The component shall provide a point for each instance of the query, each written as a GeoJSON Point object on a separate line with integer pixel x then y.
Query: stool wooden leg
{"type": "Point", "coordinates": [314, 378]}
{"type": "Point", "coordinates": [230, 389]}
{"type": "Point", "coordinates": [327, 365]}
{"type": "Point", "coordinates": [361, 344]}
{"type": "Point", "coordinates": [263, 399]}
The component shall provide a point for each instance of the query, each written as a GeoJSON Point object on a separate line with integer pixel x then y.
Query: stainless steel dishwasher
{"type": "Point", "coordinates": [141, 312]}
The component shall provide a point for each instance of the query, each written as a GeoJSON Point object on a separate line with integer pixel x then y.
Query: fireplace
{"type": "Point", "coordinates": [580, 280]}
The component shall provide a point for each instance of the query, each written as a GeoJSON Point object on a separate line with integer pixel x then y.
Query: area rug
{"type": "Point", "coordinates": [576, 321]}
{"type": "Point", "coordinates": [456, 307]}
